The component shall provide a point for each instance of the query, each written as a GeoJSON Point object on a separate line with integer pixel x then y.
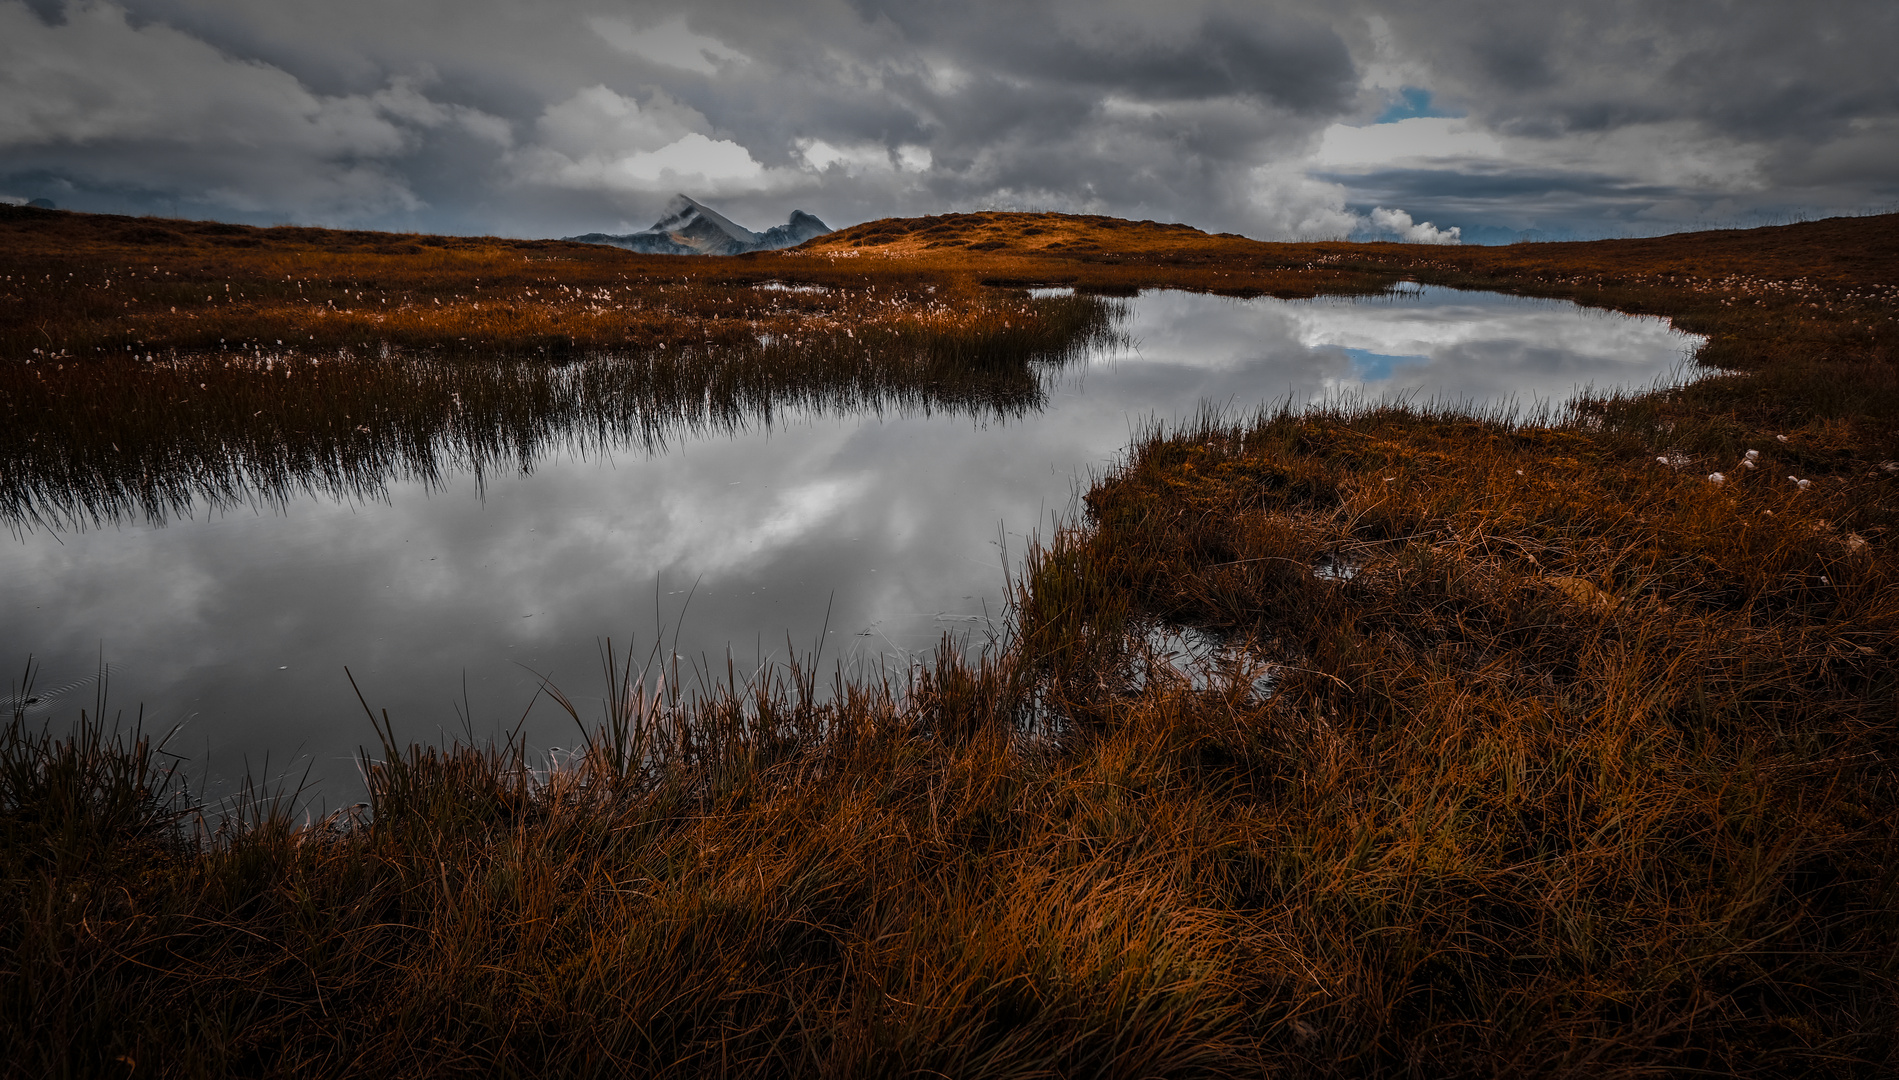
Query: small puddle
{"type": "Point", "coordinates": [1204, 661]}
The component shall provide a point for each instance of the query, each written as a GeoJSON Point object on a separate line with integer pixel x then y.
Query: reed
{"type": "Point", "coordinates": [121, 436]}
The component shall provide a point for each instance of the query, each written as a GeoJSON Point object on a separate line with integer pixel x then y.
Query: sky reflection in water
{"type": "Point", "coordinates": [242, 622]}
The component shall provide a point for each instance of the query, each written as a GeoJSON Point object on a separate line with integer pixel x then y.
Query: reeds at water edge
{"type": "Point", "coordinates": [120, 437]}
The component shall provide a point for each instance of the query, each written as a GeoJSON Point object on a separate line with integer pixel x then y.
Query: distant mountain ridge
{"type": "Point", "coordinates": [692, 228]}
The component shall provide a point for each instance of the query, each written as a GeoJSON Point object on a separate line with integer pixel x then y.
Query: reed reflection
{"type": "Point", "coordinates": [142, 437]}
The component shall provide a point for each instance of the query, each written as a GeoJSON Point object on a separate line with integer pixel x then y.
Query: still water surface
{"type": "Point", "coordinates": [895, 527]}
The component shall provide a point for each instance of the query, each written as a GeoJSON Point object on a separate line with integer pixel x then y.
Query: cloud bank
{"type": "Point", "coordinates": [1399, 224]}
{"type": "Point", "coordinates": [1428, 122]}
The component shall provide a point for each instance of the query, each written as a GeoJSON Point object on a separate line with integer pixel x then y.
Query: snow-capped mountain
{"type": "Point", "coordinates": [692, 228]}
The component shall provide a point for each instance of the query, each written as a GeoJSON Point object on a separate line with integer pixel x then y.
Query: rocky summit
{"type": "Point", "coordinates": [692, 228]}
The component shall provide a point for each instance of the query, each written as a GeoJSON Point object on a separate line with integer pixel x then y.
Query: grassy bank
{"type": "Point", "coordinates": [1574, 760]}
{"type": "Point", "coordinates": [1517, 749]}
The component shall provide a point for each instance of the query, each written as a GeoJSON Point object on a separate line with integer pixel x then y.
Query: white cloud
{"type": "Point", "coordinates": [1287, 205]}
{"type": "Point", "coordinates": [149, 106]}
{"type": "Point", "coordinates": [914, 158]}
{"type": "Point", "coordinates": [705, 164]}
{"type": "Point", "coordinates": [1419, 139]}
{"type": "Point", "coordinates": [602, 140]}
{"type": "Point", "coordinates": [671, 43]}
{"type": "Point", "coordinates": [859, 158]}
{"type": "Point", "coordinates": [694, 155]}
{"type": "Point", "coordinates": [98, 78]}
{"type": "Point", "coordinates": [1423, 232]}
{"type": "Point", "coordinates": [598, 121]}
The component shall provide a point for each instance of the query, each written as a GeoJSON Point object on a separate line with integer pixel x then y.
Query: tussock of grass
{"type": "Point", "coordinates": [1587, 757]}
{"type": "Point", "coordinates": [766, 883]}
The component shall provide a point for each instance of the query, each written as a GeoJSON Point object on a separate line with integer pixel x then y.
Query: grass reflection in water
{"type": "Point", "coordinates": [126, 436]}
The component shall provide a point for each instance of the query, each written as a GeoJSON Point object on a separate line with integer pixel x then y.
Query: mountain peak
{"type": "Point", "coordinates": [690, 227]}
{"type": "Point", "coordinates": [683, 212]}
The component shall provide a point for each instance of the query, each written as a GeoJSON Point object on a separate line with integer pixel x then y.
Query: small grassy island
{"type": "Point", "coordinates": [1574, 751]}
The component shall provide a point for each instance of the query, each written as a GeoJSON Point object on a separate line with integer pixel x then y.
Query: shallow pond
{"type": "Point", "coordinates": [873, 532]}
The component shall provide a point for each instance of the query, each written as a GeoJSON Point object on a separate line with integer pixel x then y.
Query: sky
{"type": "Point", "coordinates": [1483, 121]}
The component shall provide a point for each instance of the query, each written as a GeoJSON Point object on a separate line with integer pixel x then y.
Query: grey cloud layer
{"type": "Point", "coordinates": [1799, 99]}
{"type": "Point", "coordinates": [1750, 70]}
{"type": "Point", "coordinates": [539, 118]}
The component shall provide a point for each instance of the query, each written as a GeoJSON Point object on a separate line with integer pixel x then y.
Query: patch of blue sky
{"type": "Point", "coordinates": [1370, 365]}
{"type": "Point", "coordinates": [1413, 102]}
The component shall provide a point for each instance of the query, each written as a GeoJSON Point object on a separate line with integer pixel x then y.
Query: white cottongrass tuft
{"type": "Point", "coordinates": [1716, 478]}
{"type": "Point", "coordinates": [1782, 438]}
{"type": "Point", "coordinates": [1801, 484]}
{"type": "Point", "coordinates": [1752, 454]}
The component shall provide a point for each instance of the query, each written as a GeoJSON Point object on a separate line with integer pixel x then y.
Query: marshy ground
{"type": "Point", "coordinates": [1528, 747]}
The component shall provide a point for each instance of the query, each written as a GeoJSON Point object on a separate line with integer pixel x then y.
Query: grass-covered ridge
{"type": "Point", "coordinates": [1528, 750]}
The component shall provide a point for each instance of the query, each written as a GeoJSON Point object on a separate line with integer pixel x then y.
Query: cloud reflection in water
{"type": "Point", "coordinates": [899, 525]}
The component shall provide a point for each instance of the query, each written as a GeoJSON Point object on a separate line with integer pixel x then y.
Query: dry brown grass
{"type": "Point", "coordinates": [80, 286]}
{"type": "Point", "coordinates": [1587, 758]}
{"type": "Point", "coordinates": [1522, 753]}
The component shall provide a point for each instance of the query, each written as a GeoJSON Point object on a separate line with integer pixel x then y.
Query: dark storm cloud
{"type": "Point", "coordinates": [538, 118]}
{"type": "Point", "coordinates": [1271, 56]}
{"type": "Point", "coordinates": [1614, 116]}
{"type": "Point", "coordinates": [1075, 107]}
{"type": "Point", "coordinates": [1749, 70]}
